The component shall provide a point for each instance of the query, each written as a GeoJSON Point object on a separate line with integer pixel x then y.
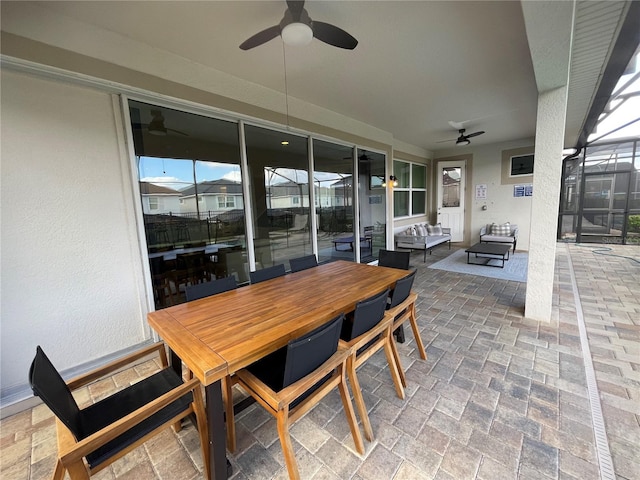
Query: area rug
{"type": "Point", "coordinates": [514, 269]}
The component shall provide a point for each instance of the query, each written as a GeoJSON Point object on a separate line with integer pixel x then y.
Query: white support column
{"type": "Point", "coordinates": [552, 107]}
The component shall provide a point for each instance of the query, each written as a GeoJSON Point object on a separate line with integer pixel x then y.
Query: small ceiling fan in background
{"type": "Point", "coordinates": [296, 28]}
{"type": "Point", "coordinates": [463, 139]}
{"type": "Point", "coordinates": [156, 126]}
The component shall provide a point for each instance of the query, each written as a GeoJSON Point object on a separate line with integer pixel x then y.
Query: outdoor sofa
{"type": "Point", "coordinates": [422, 236]}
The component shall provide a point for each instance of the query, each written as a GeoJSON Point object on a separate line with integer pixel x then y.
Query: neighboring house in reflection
{"type": "Point", "coordinates": [342, 192]}
{"type": "Point", "coordinates": [159, 200]}
{"type": "Point", "coordinates": [288, 195]}
{"type": "Point", "coordinates": [212, 197]}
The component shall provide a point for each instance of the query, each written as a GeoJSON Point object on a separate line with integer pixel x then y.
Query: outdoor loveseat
{"type": "Point", "coordinates": [421, 237]}
{"type": "Point", "coordinates": [504, 233]}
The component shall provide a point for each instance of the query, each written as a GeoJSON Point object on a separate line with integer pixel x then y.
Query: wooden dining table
{"type": "Point", "coordinates": [218, 335]}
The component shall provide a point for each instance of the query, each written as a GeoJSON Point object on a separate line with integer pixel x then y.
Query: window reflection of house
{"type": "Point", "coordinates": [289, 195]}
{"type": "Point", "coordinates": [342, 192]}
{"type": "Point", "coordinates": [158, 200]}
{"type": "Point", "coordinates": [215, 196]}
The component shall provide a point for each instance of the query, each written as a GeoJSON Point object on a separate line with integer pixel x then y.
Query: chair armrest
{"type": "Point", "coordinates": [278, 400]}
{"type": "Point", "coordinates": [89, 444]}
{"type": "Point", "coordinates": [446, 230]}
{"type": "Point", "coordinates": [293, 391]}
{"type": "Point", "coordinates": [483, 231]}
{"type": "Point", "coordinates": [514, 232]}
{"type": "Point", "coordinates": [100, 372]}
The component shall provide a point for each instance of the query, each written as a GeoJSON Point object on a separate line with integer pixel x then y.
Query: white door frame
{"type": "Point", "coordinates": [452, 216]}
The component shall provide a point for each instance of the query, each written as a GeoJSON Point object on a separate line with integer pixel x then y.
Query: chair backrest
{"type": "Point", "coordinates": [393, 259]}
{"type": "Point", "coordinates": [402, 290]}
{"type": "Point", "coordinates": [267, 273]}
{"type": "Point", "coordinates": [366, 315]}
{"type": "Point", "coordinates": [206, 289]}
{"type": "Point", "coordinates": [302, 263]}
{"type": "Point", "coordinates": [307, 353]}
{"type": "Point", "coordinates": [47, 384]}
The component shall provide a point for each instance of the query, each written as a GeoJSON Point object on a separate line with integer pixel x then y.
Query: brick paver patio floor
{"type": "Point", "coordinates": [499, 397]}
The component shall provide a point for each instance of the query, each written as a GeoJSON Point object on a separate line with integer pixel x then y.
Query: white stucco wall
{"type": "Point", "coordinates": [502, 206]}
{"type": "Point", "coordinates": [71, 267]}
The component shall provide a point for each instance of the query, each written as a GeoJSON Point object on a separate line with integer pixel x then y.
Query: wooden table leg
{"type": "Point", "coordinates": [220, 467]}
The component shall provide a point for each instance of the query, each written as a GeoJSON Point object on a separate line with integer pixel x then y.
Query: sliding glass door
{"type": "Point", "coordinates": [334, 200]}
{"type": "Point", "coordinates": [372, 204]}
{"type": "Point", "coordinates": [278, 165]}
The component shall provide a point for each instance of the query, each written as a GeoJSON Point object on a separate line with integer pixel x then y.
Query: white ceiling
{"type": "Point", "coordinates": [418, 64]}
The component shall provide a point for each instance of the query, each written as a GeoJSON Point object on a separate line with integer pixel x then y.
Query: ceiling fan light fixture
{"type": "Point", "coordinates": [157, 128]}
{"type": "Point", "coordinates": [297, 34]}
{"type": "Point", "coordinates": [462, 142]}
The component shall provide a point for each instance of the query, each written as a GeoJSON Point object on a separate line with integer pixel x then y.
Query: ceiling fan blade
{"type": "Point", "coordinates": [177, 131]}
{"type": "Point", "coordinates": [295, 7]}
{"type": "Point", "coordinates": [449, 140]}
{"type": "Point", "coordinates": [474, 134]}
{"type": "Point", "coordinates": [261, 37]}
{"type": "Point", "coordinates": [333, 35]}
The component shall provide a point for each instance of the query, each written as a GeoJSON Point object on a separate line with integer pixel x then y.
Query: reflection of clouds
{"type": "Point", "coordinates": [167, 181]}
{"type": "Point", "coordinates": [234, 176]}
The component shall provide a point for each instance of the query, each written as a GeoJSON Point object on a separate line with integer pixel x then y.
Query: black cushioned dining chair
{"type": "Point", "coordinates": [206, 289]}
{"type": "Point", "coordinates": [267, 273]}
{"type": "Point", "coordinates": [402, 307]}
{"type": "Point", "coordinates": [94, 437]}
{"type": "Point", "coordinates": [394, 259]}
{"type": "Point", "coordinates": [302, 263]}
{"type": "Point", "coordinates": [292, 380]}
{"type": "Point", "coordinates": [364, 332]}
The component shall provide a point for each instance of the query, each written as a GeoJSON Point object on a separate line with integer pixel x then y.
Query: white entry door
{"type": "Point", "coordinates": [451, 180]}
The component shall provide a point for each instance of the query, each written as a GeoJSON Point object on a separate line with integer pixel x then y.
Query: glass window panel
{"type": "Point", "coordinates": [402, 172]}
{"type": "Point", "coordinates": [279, 195]}
{"type": "Point", "coordinates": [400, 203]}
{"type": "Point", "coordinates": [418, 202]}
{"type": "Point", "coordinates": [451, 187]}
{"type": "Point", "coordinates": [186, 163]}
{"type": "Point", "coordinates": [418, 176]}
{"type": "Point", "coordinates": [521, 165]}
{"type": "Point", "coordinates": [333, 188]}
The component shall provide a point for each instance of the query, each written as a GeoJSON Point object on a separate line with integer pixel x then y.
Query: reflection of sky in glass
{"type": "Point", "coordinates": [178, 174]}
{"type": "Point", "coordinates": [281, 175]}
{"type": "Point", "coordinates": [623, 107]}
